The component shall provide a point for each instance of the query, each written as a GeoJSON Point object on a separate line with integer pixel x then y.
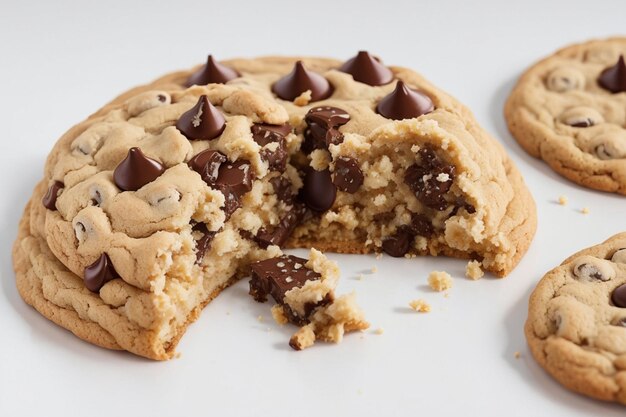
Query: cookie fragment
{"type": "Point", "coordinates": [364, 68]}
{"type": "Point", "coordinates": [404, 103]}
{"type": "Point", "coordinates": [136, 170]}
{"type": "Point", "coordinates": [202, 121]}
{"type": "Point", "coordinates": [300, 80]}
{"type": "Point", "coordinates": [439, 281]}
{"type": "Point", "coordinates": [212, 73]}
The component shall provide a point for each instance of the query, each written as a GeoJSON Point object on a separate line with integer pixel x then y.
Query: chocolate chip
{"type": "Point", "coordinates": [300, 80]}
{"type": "Point", "coordinates": [398, 244]}
{"type": "Point", "coordinates": [279, 234]}
{"type": "Point", "coordinates": [327, 117]}
{"type": "Point", "coordinates": [420, 225]}
{"type": "Point", "coordinates": [613, 78]}
{"type": "Point", "coordinates": [231, 199]}
{"type": "Point", "coordinates": [202, 121]}
{"type": "Point", "coordinates": [283, 129]}
{"type": "Point", "coordinates": [583, 123]}
{"type": "Point", "coordinates": [99, 273]}
{"type": "Point", "coordinates": [348, 176]}
{"type": "Point", "coordinates": [619, 296]}
{"type": "Point", "coordinates": [207, 163]}
{"type": "Point", "coordinates": [282, 188]}
{"type": "Point", "coordinates": [318, 191]}
{"type": "Point", "coordinates": [430, 180]}
{"type": "Point", "coordinates": [212, 73]}
{"type": "Point", "coordinates": [404, 103]}
{"type": "Point", "coordinates": [322, 123]}
{"type": "Point", "coordinates": [203, 244]}
{"type": "Point", "coordinates": [237, 176]}
{"type": "Point", "coordinates": [264, 135]}
{"type": "Point", "coordinates": [136, 170]}
{"type": "Point", "coordinates": [49, 200]}
{"type": "Point", "coordinates": [366, 69]}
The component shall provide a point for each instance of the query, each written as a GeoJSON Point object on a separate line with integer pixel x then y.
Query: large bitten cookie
{"type": "Point", "coordinates": [166, 195]}
{"type": "Point", "coordinates": [576, 326]}
{"type": "Point", "coordinates": [569, 110]}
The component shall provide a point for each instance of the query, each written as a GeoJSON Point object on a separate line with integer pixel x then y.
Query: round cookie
{"type": "Point", "coordinates": [162, 198]}
{"type": "Point", "coordinates": [569, 110]}
{"type": "Point", "coordinates": [576, 326]}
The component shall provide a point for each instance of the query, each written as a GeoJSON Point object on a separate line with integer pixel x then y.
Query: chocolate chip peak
{"type": "Point", "coordinates": [49, 200]}
{"type": "Point", "coordinates": [614, 78]}
{"type": "Point", "coordinates": [300, 80]}
{"type": "Point", "coordinates": [404, 103]}
{"type": "Point", "coordinates": [136, 170]}
{"type": "Point", "coordinates": [99, 273]}
{"type": "Point", "coordinates": [202, 121]}
{"type": "Point", "coordinates": [212, 73]}
{"type": "Point", "coordinates": [364, 68]}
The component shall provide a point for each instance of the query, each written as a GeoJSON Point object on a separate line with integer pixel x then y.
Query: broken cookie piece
{"type": "Point", "coordinates": [304, 291]}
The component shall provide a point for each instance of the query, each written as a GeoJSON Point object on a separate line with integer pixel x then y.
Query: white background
{"type": "Point", "coordinates": [59, 61]}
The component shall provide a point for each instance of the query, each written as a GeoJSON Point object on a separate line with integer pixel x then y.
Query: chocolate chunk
{"type": "Point", "coordinates": [99, 273]}
{"type": "Point", "coordinates": [283, 130]}
{"type": "Point", "coordinates": [322, 123]}
{"type": "Point", "coordinates": [366, 69]}
{"type": "Point", "coordinates": [619, 296]}
{"type": "Point", "coordinates": [278, 275]}
{"type": "Point", "coordinates": [430, 180]}
{"type": "Point", "coordinates": [300, 80]}
{"type": "Point", "coordinates": [207, 163]}
{"type": "Point", "coordinates": [212, 73]}
{"type": "Point", "coordinates": [398, 244]}
{"type": "Point", "coordinates": [49, 200]}
{"type": "Point", "coordinates": [279, 234]}
{"type": "Point", "coordinates": [136, 170]}
{"type": "Point", "coordinates": [264, 135]}
{"type": "Point", "coordinates": [327, 117]}
{"type": "Point", "coordinates": [231, 199]}
{"type": "Point", "coordinates": [282, 188]}
{"type": "Point", "coordinates": [614, 78]}
{"type": "Point", "coordinates": [420, 225]}
{"type": "Point", "coordinates": [404, 103]}
{"type": "Point", "coordinates": [348, 176]}
{"type": "Point", "coordinates": [203, 244]}
{"type": "Point", "coordinates": [202, 121]}
{"type": "Point", "coordinates": [318, 191]}
{"type": "Point", "coordinates": [237, 176]}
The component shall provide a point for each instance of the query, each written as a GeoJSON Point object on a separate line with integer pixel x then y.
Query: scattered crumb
{"type": "Point", "coordinates": [260, 319]}
{"type": "Point", "coordinates": [380, 330]}
{"type": "Point", "coordinates": [279, 315]}
{"type": "Point", "coordinates": [440, 280]}
{"type": "Point", "coordinates": [360, 277]}
{"type": "Point", "coordinates": [178, 355]}
{"type": "Point", "coordinates": [517, 355]}
{"type": "Point", "coordinates": [446, 295]}
{"type": "Point", "coordinates": [379, 255]}
{"type": "Point", "coordinates": [585, 210]}
{"type": "Point", "coordinates": [420, 306]}
{"type": "Point", "coordinates": [374, 269]}
{"type": "Point", "coordinates": [562, 200]}
{"type": "Point", "coordinates": [473, 270]}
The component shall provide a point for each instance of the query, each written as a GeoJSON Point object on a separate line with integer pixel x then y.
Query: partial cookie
{"type": "Point", "coordinates": [166, 195]}
{"type": "Point", "coordinates": [576, 326]}
{"type": "Point", "coordinates": [568, 110]}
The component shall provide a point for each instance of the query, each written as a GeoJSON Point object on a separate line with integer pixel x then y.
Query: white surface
{"type": "Point", "coordinates": [62, 60]}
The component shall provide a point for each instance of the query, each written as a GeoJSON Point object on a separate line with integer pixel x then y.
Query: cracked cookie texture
{"type": "Point", "coordinates": [562, 112]}
{"type": "Point", "coordinates": [576, 326]}
{"type": "Point", "coordinates": [166, 195]}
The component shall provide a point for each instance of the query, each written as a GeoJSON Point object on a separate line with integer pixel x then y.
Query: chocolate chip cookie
{"type": "Point", "coordinates": [568, 110]}
{"type": "Point", "coordinates": [576, 326]}
{"type": "Point", "coordinates": [162, 198]}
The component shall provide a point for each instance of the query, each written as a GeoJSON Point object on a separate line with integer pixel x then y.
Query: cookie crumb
{"type": "Point", "coordinates": [517, 355]}
{"type": "Point", "coordinates": [420, 306]}
{"type": "Point", "coordinates": [260, 319]}
{"type": "Point", "coordinates": [379, 331]}
{"type": "Point", "coordinates": [359, 391]}
{"type": "Point", "coordinates": [178, 355]}
{"type": "Point", "coordinates": [440, 281]}
{"type": "Point", "coordinates": [585, 210]}
{"type": "Point", "coordinates": [562, 200]}
{"type": "Point", "coordinates": [473, 270]}
{"type": "Point", "coordinates": [360, 277]}
{"type": "Point", "coordinates": [303, 99]}
{"type": "Point", "coordinates": [379, 255]}
{"type": "Point", "coordinates": [374, 269]}
{"type": "Point", "coordinates": [279, 315]}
